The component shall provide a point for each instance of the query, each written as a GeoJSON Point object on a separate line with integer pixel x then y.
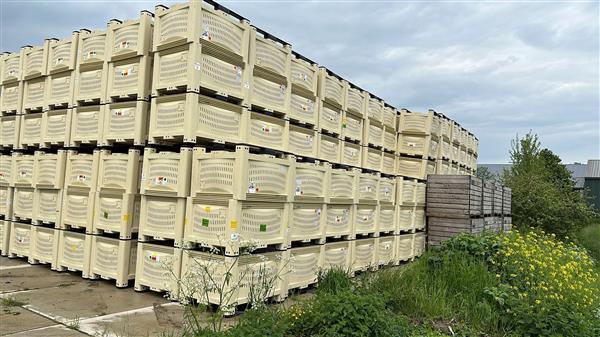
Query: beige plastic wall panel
{"type": "Point", "coordinates": [270, 55]}
{"type": "Point", "coordinates": [11, 131]}
{"type": "Point", "coordinates": [352, 127]}
{"type": "Point", "coordinates": [365, 219]}
{"type": "Point", "coordinates": [304, 266]}
{"type": "Point", "coordinates": [419, 218]}
{"type": "Point", "coordinates": [363, 254]}
{"type": "Point", "coordinates": [116, 213]}
{"type": "Point", "coordinates": [90, 85]}
{"type": "Point", "coordinates": [368, 187]}
{"type": "Point", "coordinates": [419, 241]}
{"type": "Point", "coordinates": [11, 68]}
{"type": "Point", "coordinates": [242, 175]}
{"type": "Point", "coordinates": [129, 78]}
{"type": "Point", "coordinates": [244, 272]}
{"type": "Point", "coordinates": [372, 158]}
{"type": "Point", "coordinates": [311, 181]}
{"type": "Point", "coordinates": [354, 100]}
{"type": "Point", "coordinates": [34, 91]}
{"type": "Point", "coordinates": [20, 239]}
{"type": "Point", "coordinates": [34, 61]}
{"type": "Point", "coordinates": [158, 268]}
{"type": "Point", "coordinates": [267, 131]}
{"type": "Point", "coordinates": [119, 171]}
{"type": "Point", "coordinates": [47, 205]}
{"type": "Point", "coordinates": [389, 117]}
{"type": "Point", "coordinates": [343, 186]}
{"type": "Point", "coordinates": [340, 220]}
{"type": "Point", "coordinates": [330, 118]}
{"type": "Point", "coordinates": [269, 93]}
{"type": "Point", "coordinates": [373, 133]}
{"type": "Point", "coordinates": [404, 245]}
{"type": "Point", "coordinates": [303, 142]}
{"type": "Point", "coordinates": [77, 209]}
{"type": "Point", "coordinates": [442, 167]}
{"type": "Point", "coordinates": [331, 88]}
{"type": "Point", "coordinates": [74, 251]}
{"type": "Point", "coordinates": [130, 38]}
{"type": "Point", "coordinates": [387, 190]}
{"type": "Point", "coordinates": [351, 154]}
{"type": "Point", "coordinates": [374, 109]}
{"type": "Point", "coordinates": [44, 246]}
{"type": "Point", "coordinates": [329, 148]}
{"type": "Point", "coordinates": [125, 122]}
{"type": "Point", "coordinates": [414, 167]}
{"type": "Point", "coordinates": [199, 21]}
{"type": "Point", "coordinates": [82, 170]}
{"type": "Point", "coordinates": [4, 237]}
{"type": "Point", "coordinates": [307, 222]}
{"type": "Point", "coordinates": [23, 206]}
{"type": "Point", "coordinates": [23, 169]}
{"type": "Point", "coordinates": [113, 259]}
{"type": "Point", "coordinates": [6, 175]}
{"type": "Point", "coordinates": [62, 54]}
{"type": "Point", "coordinates": [92, 49]}
{"type": "Point", "coordinates": [389, 163]}
{"type": "Point", "coordinates": [162, 218]}
{"type": "Point", "coordinates": [406, 216]}
{"type": "Point", "coordinates": [49, 169]}
{"type": "Point", "coordinates": [303, 108]}
{"type": "Point", "coordinates": [236, 224]}
{"type": "Point", "coordinates": [386, 219]}
{"type": "Point", "coordinates": [10, 100]}
{"type": "Point", "coordinates": [389, 140]}
{"type": "Point", "coordinates": [337, 255]}
{"type": "Point", "coordinates": [446, 128]}
{"type": "Point", "coordinates": [86, 125]}
{"type": "Point", "coordinates": [166, 173]}
{"type": "Point", "coordinates": [60, 90]}
{"type": "Point", "coordinates": [6, 202]}
{"type": "Point", "coordinates": [416, 122]}
{"type": "Point", "coordinates": [385, 253]}
{"type": "Point", "coordinates": [304, 75]}
{"type": "Point", "coordinates": [56, 128]}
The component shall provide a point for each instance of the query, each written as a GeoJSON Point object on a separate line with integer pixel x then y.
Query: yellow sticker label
{"type": "Point", "coordinates": [233, 224]}
{"type": "Point", "coordinates": [125, 217]}
{"type": "Point", "coordinates": [73, 248]}
{"type": "Point", "coordinates": [185, 221]}
{"type": "Point", "coordinates": [207, 209]}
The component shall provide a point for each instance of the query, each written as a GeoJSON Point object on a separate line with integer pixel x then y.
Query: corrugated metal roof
{"type": "Point", "coordinates": [593, 168]}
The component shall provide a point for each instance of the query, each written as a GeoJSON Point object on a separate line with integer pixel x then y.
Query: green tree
{"type": "Point", "coordinates": [485, 174]}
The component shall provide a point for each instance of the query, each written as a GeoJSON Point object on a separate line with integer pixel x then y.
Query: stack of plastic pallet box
{"type": "Point", "coordinates": [11, 95]}
{"type": "Point", "coordinates": [6, 195]}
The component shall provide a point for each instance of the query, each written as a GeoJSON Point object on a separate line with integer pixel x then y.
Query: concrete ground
{"type": "Point", "coordinates": [37, 301]}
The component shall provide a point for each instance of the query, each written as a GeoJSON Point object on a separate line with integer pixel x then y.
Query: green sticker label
{"type": "Point", "coordinates": [205, 222]}
{"type": "Point", "coordinates": [105, 215]}
{"type": "Point", "coordinates": [263, 227]}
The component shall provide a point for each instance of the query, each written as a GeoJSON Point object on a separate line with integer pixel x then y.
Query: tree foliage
{"type": "Point", "coordinates": [485, 174]}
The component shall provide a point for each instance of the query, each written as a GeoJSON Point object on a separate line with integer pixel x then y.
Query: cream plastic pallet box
{"type": "Point", "coordinates": [337, 255]}
{"type": "Point", "coordinates": [20, 240]}
{"type": "Point", "coordinates": [307, 222]}
{"type": "Point", "coordinates": [86, 125]}
{"type": "Point", "coordinates": [331, 88]}
{"type": "Point", "coordinates": [113, 259]}
{"type": "Point", "coordinates": [158, 268]}
{"type": "Point", "coordinates": [74, 250]}
{"type": "Point", "coordinates": [404, 245]}
{"type": "Point", "coordinates": [311, 181]}
{"type": "Point", "coordinates": [363, 255]}
{"type": "Point", "coordinates": [10, 127]}
{"type": "Point", "coordinates": [304, 266]}
{"type": "Point", "coordinates": [44, 246]}
{"type": "Point", "coordinates": [354, 100]}
{"type": "Point", "coordinates": [385, 253]}
{"type": "Point", "coordinates": [303, 142]}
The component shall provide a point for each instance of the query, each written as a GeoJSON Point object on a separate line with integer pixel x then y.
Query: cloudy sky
{"type": "Point", "coordinates": [498, 68]}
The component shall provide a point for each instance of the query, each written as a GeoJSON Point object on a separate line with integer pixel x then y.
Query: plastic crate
{"type": "Point", "coordinates": [365, 219]}
{"type": "Point", "coordinates": [31, 131]}
{"type": "Point", "coordinates": [236, 224]}
{"type": "Point", "coordinates": [404, 245]}
{"type": "Point", "coordinates": [10, 100]}
{"type": "Point", "coordinates": [119, 172]}
{"type": "Point", "coordinates": [166, 173]}
{"type": "Point", "coordinates": [374, 108]}
{"type": "Point", "coordinates": [363, 255]}
{"type": "Point", "coordinates": [23, 169]}
{"type": "Point", "coordinates": [125, 122]}
{"type": "Point", "coordinates": [418, 145]}
{"type": "Point", "coordinates": [389, 139]}
{"type": "Point", "coordinates": [462, 155]}
{"type": "Point", "coordinates": [6, 170]}
{"type": "Point", "coordinates": [303, 108]}
{"type": "Point", "coordinates": [116, 213]}
{"type": "Point", "coordinates": [82, 170]}
{"type": "Point", "coordinates": [6, 200]}
{"type": "Point", "coordinates": [446, 128]}
{"type": "Point", "coordinates": [303, 142]}
{"type": "Point", "coordinates": [455, 152]}
{"type": "Point", "coordinates": [113, 259]}
{"type": "Point", "coordinates": [91, 85]}
{"type": "Point", "coordinates": [11, 68]}
{"type": "Point", "coordinates": [60, 90]}
{"type": "Point", "coordinates": [304, 75]}
{"type": "Point", "coordinates": [387, 190]}
{"type": "Point", "coordinates": [86, 125]}
{"type": "Point", "coordinates": [311, 181]}
{"type": "Point", "coordinates": [129, 79]}
{"type": "Point", "coordinates": [201, 21]}
{"type": "Point", "coordinates": [44, 246]}
{"type": "Point", "coordinates": [34, 60]}
{"type": "Point", "coordinates": [74, 251]}
{"type": "Point", "coordinates": [373, 133]}
{"type": "Point", "coordinates": [454, 168]}
{"type": "Point", "coordinates": [62, 54]}
{"type": "Point", "coordinates": [417, 168]}
{"type": "Point", "coordinates": [267, 131]}
{"type": "Point", "coordinates": [330, 119]}
{"type": "Point", "coordinates": [343, 186]}
{"type": "Point", "coordinates": [329, 148]}
{"type": "Point", "coordinates": [372, 158]}
{"type": "Point", "coordinates": [49, 169]}
{"type": "Point", "coordinates": [419, 241]}
{"type": "Point", "coordinates": [442, 166]}
{"type": "Point", "coordinates": [162, 218]}
{"type": "Point", "coordinates": [389, 116]}
{"type": "Point", "coordinates": [389, 163]}
{"type": "Point", "coordinates": [352, 127]}
{"type": "Point", "coordinates": [419, 218]}
{"type": "Point", "coordinates": [406, 218]}
{"type": "Point", "coordinates": [187, 117]}
{"type": "Point", "coordinates": [304, 266]}
{"type": "Point", "coordinates": [4, 237]}
{"type": "Point", "coordinates": [456, 133]}
{"type": "Point", "coordinates": [130, 38]}
{"type": "Point", "coordinates": [20, 240]}
{"type": "Point", "coordinates": [242, 175]}
{"type": "Point", "coordinates": [56, 128]}
{"type": "Point", "coordinates": [307, 222]}
{"type": "Point", "coordinates": [385, 250]}
{"type": "Point", "coordinates": [444, 149]}
{"type": "Point", "coordinates": [158, 268]}
{"type": "Point", "coordinates": [47, 204]}
{"type": "Point", "coordinates": [92, 48]}
{"type": "Point", "coordinates": [351, 154]}
{"type": "Point", "coordinates": [354, 100]}
{"type": "Point", "coordinates": [34, 93]}
{"type": "Point", "coordinates": [201, 270]}
{"type": "Point", "coordinates": [340, 221]}
{"type": "Point", "coordinates": [386, 218]}
{"type": "Point", "coordinates": [337, 255]}
{"type": "Point", "coordinates": [331, 88]}
{"type": "Point", "coordinates": [77, 209]}
{"type": "Point", "coordinates": [421, 123]}
{"type": "Point", "coordinates": [368, 188]}
{"type": "Point", "coordinates": [23, 207]}
{"type": "Point", "coordinates": [10, 127]}
{"type": "Point", "coordinates": [270, 54]}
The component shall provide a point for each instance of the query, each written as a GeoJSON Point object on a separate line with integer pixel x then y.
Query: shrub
{"type": "Point", "coordinates": [334, 280]}
{"type": "Point", "coordinates": [261, 322]}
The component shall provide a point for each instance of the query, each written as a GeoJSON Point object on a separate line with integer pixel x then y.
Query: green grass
{"type": "Point", "coordinates": [12, 302]}
{"type": "Point", "coordinates": [589, 237]}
